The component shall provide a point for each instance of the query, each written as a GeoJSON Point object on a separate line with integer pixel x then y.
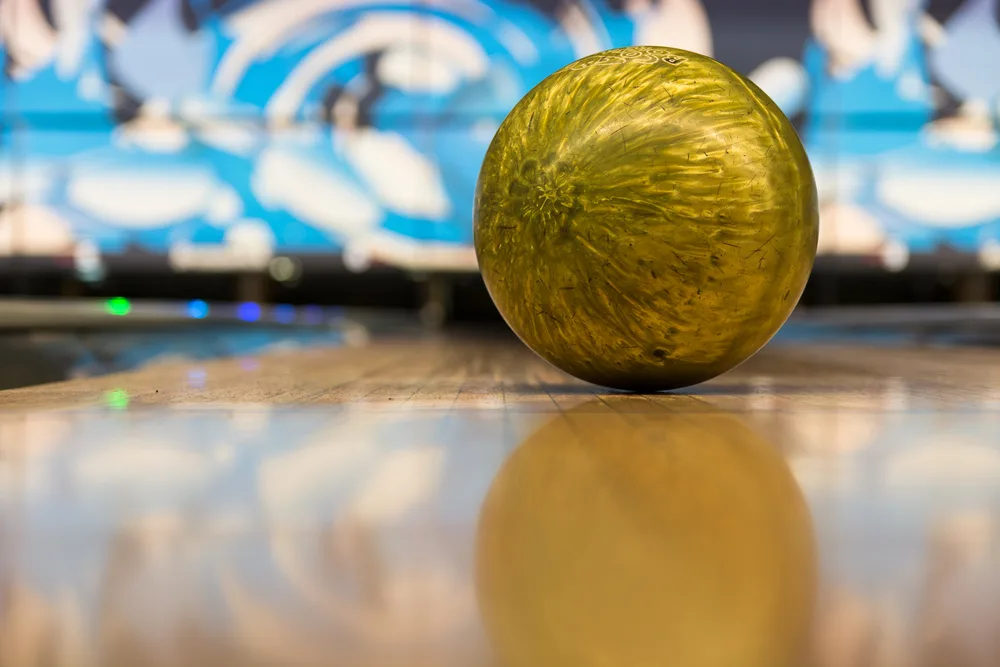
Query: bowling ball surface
{"type": "Point", "coordinates": [646, 218]}
{"type": "Point", "coordinates": [646, 540]}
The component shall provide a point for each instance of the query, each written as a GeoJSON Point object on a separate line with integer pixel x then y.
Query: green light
{"type": "Point", "coordinates": [117, 399]}
{"type": "Point", "coordinates": [118, 305]}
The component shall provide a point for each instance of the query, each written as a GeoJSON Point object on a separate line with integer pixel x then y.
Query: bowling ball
{"type": "Point", "coordinates": [645, 218]}
{"type": "Point", "coordinates": [645, 540]}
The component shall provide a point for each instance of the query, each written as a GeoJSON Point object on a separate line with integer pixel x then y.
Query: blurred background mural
{"type": "Point", "coordinates": [254, 135]}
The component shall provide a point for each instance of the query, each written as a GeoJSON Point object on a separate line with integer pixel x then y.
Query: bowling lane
{"type": "Point", "coordinates": [334, 505]}
{"type": "Point", "coordinates": [448, 372]}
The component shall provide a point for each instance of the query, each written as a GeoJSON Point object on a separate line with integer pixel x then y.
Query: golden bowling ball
{"type": "Point", "coordinates": [644, 540]}
{"type": "Point", "coordinates": [646, 218]}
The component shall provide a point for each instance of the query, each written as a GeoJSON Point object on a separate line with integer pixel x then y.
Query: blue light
{"type": "Point", "coordinates": [284, 313]}
{"type": "Point", "coordinates": [314, 314]}
{"type": "Point", "coordinates": [248, 312]}
{"type": "Point", "coordinates": [198, 309]}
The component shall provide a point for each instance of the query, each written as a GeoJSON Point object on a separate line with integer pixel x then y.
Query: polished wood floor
{"type": "Point", "coordinates": [468, 373]}
{"type": "Point", "coordinates": [325, 506]}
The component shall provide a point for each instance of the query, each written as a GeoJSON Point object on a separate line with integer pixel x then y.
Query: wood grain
{"type": "Point", "coordinates": [465, 372]}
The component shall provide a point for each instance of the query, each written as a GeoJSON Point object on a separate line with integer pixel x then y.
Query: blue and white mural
{"type": "Point", "coordinates": [222, 132]}
{"type": "Point", "coordinates": [902, 126]}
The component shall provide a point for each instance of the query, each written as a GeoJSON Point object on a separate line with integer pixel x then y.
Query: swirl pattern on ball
{"type": "Point", "coordinates": [646, 218]}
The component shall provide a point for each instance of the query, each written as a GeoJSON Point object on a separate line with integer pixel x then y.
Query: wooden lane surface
{"type": "Point", "coordinates": [322, 506]}
{"type": "Point", "coordinates": [470, 373]}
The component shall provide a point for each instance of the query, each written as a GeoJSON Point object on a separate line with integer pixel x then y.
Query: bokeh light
{"type": "Point", "coordinates": [284, 313]}
{"type": "Point", "coordinates": [248, 312]}
{"type": "Point", "coordinates": [116, 399]}
{"type": "Point", "coordinates": [198, 309]}
{"type": "Point", "coordinates": [313, 314]}
{"type": "Point", "coordinates": [118, 306]}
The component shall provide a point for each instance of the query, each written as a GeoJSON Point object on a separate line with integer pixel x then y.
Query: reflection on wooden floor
{"type": "Point", "coordinates": [329, 507]}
